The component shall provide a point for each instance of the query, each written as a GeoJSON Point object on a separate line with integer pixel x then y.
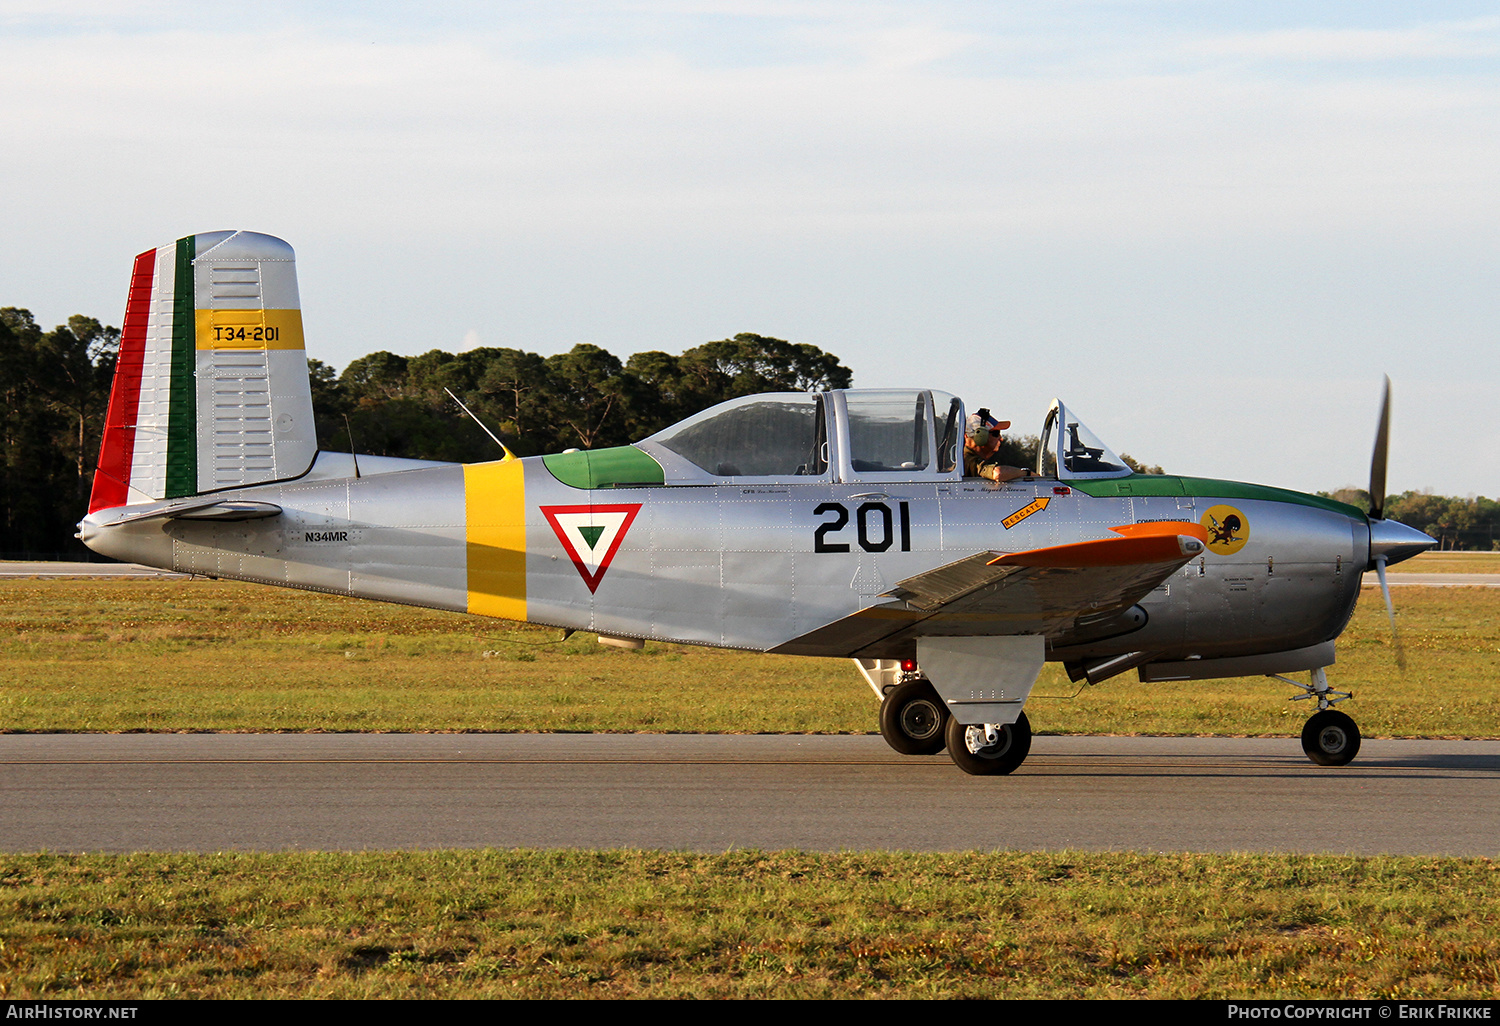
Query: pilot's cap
{"type": "Point", "coordinates": [982, 427]}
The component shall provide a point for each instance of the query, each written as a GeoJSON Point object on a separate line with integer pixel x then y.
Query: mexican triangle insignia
{"type": "Point", "coordinates": [591, 535]}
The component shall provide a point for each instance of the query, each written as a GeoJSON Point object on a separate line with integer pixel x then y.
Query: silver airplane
{"type": "Point", "coordinates": [833, 524]}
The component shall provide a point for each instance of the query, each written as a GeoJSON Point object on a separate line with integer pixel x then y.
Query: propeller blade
{"type": "Point", "coordinates": [1378, 460]}
{"type": "Point", "coordinates": [1390, 611]}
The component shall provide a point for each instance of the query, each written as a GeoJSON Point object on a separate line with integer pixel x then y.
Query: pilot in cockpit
{"type": "Point", "coordinates": [981, 447]}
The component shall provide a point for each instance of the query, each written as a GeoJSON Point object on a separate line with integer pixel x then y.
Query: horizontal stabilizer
{"type": "Point", "coordinates": [197, 509]}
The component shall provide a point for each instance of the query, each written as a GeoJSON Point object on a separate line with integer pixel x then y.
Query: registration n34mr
{"type": "Point", "coordinates": [820, 524]}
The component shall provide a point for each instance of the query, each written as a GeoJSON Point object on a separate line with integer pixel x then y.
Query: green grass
{"type": "Point", "coordinates": [746, 924]}
{"type": "Point", "coordinates": [102, 655]}
{"type": "Point", "coordinates": [1450, 688]}
{"type": "Point", "coordinates": [1450, 563]}
{"type": "Point", "coordinates": [131, 655]}
{"type": "Point", "coordinates": [204, 655]}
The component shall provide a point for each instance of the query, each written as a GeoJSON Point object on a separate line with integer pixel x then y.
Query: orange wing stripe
{"type": "Point", "coordinates": [1159, 528]}
{"type": "Point", "coordinates": [1143, 543]}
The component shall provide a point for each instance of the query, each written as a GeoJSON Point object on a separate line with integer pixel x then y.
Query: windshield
{"type": "Point", "coordinates": [1070, 450]}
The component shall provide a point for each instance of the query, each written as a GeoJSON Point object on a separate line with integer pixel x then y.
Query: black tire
{"type": "Point", "coordinates": [912, 718]}
{"type": "Point", "coordinates": [1330, 738]}
{"type": "Point", "coordinates": [969, 753]}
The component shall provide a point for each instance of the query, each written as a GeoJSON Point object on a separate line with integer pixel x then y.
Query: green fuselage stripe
{"type": "Point", "coordinates": [1169, 484]}
{"type": "Point", "coordinates": [182, 415]}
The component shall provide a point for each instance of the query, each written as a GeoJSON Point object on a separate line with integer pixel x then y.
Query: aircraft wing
{"type": "Point", "coordinates": [1064, 592]}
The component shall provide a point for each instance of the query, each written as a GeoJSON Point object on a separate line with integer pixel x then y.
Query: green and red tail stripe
{"type": "Point", "coordinates": [149, 444]}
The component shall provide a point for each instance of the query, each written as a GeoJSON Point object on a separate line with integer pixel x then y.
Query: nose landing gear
{"type": "Point", "coordinates": [1329, 738]}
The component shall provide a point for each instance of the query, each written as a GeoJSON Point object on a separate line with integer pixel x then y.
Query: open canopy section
{"type": "Point", "coordinates": [845, 435]}
{"type": "Point", "coordinates": [896, 434]}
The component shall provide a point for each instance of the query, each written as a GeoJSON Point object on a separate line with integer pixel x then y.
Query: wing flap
{"type": "Point", "coordinates": [936, 588]}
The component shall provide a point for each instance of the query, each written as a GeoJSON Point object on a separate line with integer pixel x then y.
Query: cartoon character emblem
{"type": "Point", "coordinates": [1228, 529]}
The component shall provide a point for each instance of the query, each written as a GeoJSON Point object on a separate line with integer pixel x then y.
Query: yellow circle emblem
{"type": "Point", "coordinates": [1228, 529]}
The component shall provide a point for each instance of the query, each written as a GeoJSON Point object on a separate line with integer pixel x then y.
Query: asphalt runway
{"type": "Point", "coordinates": [711, 793]}
{"type": "Point", "coordinates": [213, 792]}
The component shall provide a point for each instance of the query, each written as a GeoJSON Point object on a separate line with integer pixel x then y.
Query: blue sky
{"type": "Point", "coordinates": [1208, 227]}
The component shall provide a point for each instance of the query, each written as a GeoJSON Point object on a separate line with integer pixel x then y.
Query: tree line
{"type": "Point", "coordinates": [54, 386]}
{"type": "Point", "coordinates": [586, 398]}
{"type": "Point", "coordinates": [1459, 524]}
{"type": "Point", "coordinates": [55, 389]}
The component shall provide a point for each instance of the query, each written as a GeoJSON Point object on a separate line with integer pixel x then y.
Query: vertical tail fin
{"type": "Point", "coordinates": [211, 388]}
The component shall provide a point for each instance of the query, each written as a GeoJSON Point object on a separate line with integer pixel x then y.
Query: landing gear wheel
{"type": "Point", "coordinates": [1330, 738]}
{"type": "Point", "coordinates": [969, 749]}
{"type": "Point", "coordinates": [912, 718]}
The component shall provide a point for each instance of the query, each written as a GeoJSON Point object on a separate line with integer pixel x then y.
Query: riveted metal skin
{"type": "Point", "coordinates": [736, 566]}
{"type": "Point", "coordinates": [861, 539]}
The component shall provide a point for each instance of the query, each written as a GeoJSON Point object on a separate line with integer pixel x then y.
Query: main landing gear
{"type": "Point", "coordinates": [914, 721]}
{"type": "Point", "coordinates": [1329, 738]}
{"type": "Point", "coordinates": [916, 717]}
{"type": "Point", "coordinates": [987, 749]}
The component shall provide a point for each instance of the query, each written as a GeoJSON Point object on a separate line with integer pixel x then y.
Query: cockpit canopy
{"type": "Point", "coordinates": [1070, 451]}
{"type": "Point", "coordinates": [843, 435]}
{"type": "Point", "coordinates": [849, 435]}
{"type": "Point", "coordinates": [780, 434]}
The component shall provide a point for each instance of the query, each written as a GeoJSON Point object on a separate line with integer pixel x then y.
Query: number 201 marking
{"type": "Point", "coordinates": [873, 527]}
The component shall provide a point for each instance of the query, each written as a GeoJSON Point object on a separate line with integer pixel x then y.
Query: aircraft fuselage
{"type": "Point", "coordinates": [755, 566]}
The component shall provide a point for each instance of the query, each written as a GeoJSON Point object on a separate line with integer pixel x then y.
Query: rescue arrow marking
{"type": "Point", "coordinates": [1034, 506]}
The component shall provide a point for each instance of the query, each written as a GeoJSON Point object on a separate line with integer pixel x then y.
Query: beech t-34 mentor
{"type": "Point", "coordinates": [820, 524]}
